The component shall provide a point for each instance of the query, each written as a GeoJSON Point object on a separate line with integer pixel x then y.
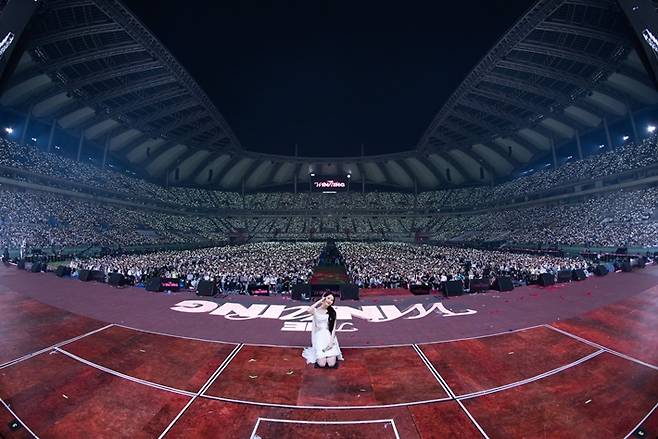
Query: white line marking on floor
{"type": "Point", "coordinates": [50, 348]}
{"type": "Point", "coordinates": [203, 388]}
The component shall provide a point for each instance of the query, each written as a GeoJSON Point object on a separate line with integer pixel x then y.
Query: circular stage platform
{"type": "Point", "coordinates": [88, 360]}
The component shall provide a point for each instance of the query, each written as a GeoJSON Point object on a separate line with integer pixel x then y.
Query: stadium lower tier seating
{"type": "Point", "coordinates": [623, 218]}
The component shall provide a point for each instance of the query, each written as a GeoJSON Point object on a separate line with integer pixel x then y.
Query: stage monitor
{"type": "Point", "coordinates": [160, 284]}
{"type": "Point", "coordinates": [259, 290]}
{"type": "Point", "coordinates": [329, 184]}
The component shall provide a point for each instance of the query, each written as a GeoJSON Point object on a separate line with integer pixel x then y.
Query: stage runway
{"type": "Point", "coordinates": [77, 361]}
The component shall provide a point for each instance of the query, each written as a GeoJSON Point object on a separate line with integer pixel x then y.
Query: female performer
{"type": "Point", "coordinates": [325, 350]}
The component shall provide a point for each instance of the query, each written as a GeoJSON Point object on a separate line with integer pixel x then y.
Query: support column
{"type": "Point", "coordinates": [363, 172]}
{"type": "Point", "coordinates": [105, 150]}
{"type": "Point", "coordinates": [295, 170]}
{"type": "Point", "coordinates": [636, 138]}
{"type": "Point", "coordinates": [554, 153]}
{"type": "Point", "coordinates": [607, 133]}
{"type": "Point", "coordinates": [26, 125]}
{"type": "Point", "coordinates": [80, 143]}
{"type": "Point", "coordinates": [52, 134]}
{"type": "Point", "coordinates": [243, 185]}
{"type": "Point", "coordinates": [579, 146]}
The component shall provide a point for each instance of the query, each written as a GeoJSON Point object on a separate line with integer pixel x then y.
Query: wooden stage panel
{"type": "Point", "coordinates": [375, 376]}
{"type": "Point", "coordinates": [628, 326]}
{"type": "Point", "coordinates": [210, 418]}
{"type": "Point", "coordinates": [175, 362]}
{"type": "Point", "coordinates": [27, 326]}
{"type": "Point", "coordinates": [474, 365]}
{"type": "Point", "coordinates": [58, 397]}
{"type": "Point", "coordinates": [603, 397]}
{"type": "Point", "coordinates": [650, 425]}
{"type": "Point", "coordinates": [278, 429]}
{"type": "Point", "coordinates": [5, 432]}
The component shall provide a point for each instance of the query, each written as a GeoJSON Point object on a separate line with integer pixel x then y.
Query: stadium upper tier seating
{"type": "Point", "coordinates": [625, 158]}
{"type": "Point", "coordinates": [45, 219]}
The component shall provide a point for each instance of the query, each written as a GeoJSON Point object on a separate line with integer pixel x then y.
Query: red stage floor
{"type": "Point", "coordinates": [594, 375]}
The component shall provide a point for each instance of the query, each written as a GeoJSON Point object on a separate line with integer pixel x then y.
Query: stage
{"type": "Point", "coordinates": [88, 360]}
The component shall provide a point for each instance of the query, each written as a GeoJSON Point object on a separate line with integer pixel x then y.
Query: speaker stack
{"type": "Point", "coordinates": [116, 279]}
{"type": "Point", "coordinates": [564, 276]}
{"type": "Point", "coordinates": [349, 292]}
{"type": "Point", "coordinates": [478, 285]}
{"type": "Point", "coordinates": [301, 292]}
{"type": "Point", "coordinates": [62, 271]}
{"type": "Point", "coordinates": [206, 288]}
{"type": "Point", "coordinates": [503, 283]}
{"type": "Point", "coordinates": [578, 275]}
{"type": "Point", "coordinates": [85, 275]}
{"type": "Point", "coordinates": [600, 270]}
{"type": "Point", "coordinates": [454, 288]}
{"type": "Point", "coordinates": [419, 290]}
{"type": "Point", "coordinates": [546, 279]}
{"type": "Point", "coordinates": [153, 284]}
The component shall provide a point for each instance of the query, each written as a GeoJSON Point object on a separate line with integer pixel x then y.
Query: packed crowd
{"type": "Point", "coordinates": [233, 268]}
{"type": "Point", "coordinates": [614, 219]}
{"type": "Point", "coordinates": [39, 220]}
{"type": "Point", "coordinates": [30, 158]}
{"type": "Point", "coordinates": [625, 158]}
{"type": "Point", "coordinates": [611, 162]}
{"type": "Point", "coordinates": [400, 265]}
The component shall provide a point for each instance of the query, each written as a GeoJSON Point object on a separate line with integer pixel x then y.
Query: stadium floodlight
{"type": "Point", "coordinates": [651, 128]}
{"type": "Point", "coordinates": [625, 138]}
{"type": "Point", "coordinates": [9, 130]}
{"type": "Point", "coordinates": [6, 42]}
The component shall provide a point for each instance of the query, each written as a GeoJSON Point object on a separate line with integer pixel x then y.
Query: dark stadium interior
{"type": "Point", "coordinates": [328, 219]}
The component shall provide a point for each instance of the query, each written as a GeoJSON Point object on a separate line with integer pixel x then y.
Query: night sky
{"type": "Point", "coordinates": [328, 75]}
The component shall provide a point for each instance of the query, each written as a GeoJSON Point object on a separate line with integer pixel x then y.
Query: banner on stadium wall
{"type": "Point", "coordinates": [296, 319]}
{"type": "Point", "coordinates": [329, 184]}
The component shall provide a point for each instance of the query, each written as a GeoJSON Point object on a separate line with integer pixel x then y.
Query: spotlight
{"type": "Point", "coordinates": [625, 138]}
{"type": "Point", "coordinates": [312, 174]}
{"type": "Point", "coordinates": [34, 139]}
{"type": "Point", "coordinates": [349, 175]}
{"type": "Point", "coordinates": [651, 128]}
{"type": "Point", "coordinates": [601, 146]}
{"type": "Point", "coordinates": [9, 130]}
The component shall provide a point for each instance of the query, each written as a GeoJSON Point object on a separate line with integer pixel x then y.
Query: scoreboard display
{"type": "Point", "coordinates": [329, 184]}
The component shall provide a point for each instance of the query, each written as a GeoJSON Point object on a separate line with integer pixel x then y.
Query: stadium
{"type": "Point", "coordinates": [328, 219]}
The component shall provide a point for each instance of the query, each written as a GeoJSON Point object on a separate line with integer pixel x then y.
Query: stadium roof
{"type": "Point", "coordinates": [562, 69]}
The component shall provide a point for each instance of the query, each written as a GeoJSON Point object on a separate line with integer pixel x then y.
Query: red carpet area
{"type": "Point", "coordinates": [577, 360]}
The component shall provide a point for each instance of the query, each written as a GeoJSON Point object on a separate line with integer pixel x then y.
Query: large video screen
{"type": "Point", "coordinates": [328, 184]}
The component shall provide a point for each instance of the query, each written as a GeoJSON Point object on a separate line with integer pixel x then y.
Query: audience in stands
{"type": "Point", "coordinates": [625, 158]}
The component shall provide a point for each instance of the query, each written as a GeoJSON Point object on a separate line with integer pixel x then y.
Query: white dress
{"type": "Point", "coordinates": [320, 337]}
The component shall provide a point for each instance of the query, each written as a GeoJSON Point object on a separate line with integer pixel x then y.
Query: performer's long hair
{"type": "Point", "coordinates": [331, 312]}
